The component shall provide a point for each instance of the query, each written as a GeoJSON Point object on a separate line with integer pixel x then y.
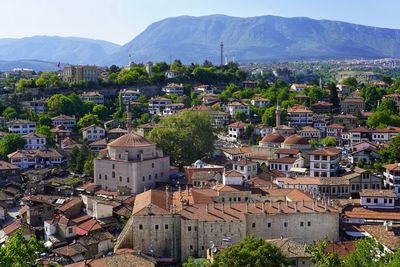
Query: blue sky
{"type": "Point", "coordinates": [121, 20]}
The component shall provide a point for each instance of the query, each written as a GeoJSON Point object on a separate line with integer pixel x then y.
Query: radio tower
{"type": "Point", "coordinates": [222, 53]}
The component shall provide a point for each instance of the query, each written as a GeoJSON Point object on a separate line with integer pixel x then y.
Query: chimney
{"type": "Point", "coordinates": [302, 203]}
{"type": "Point", "coordinates": [295, 206]}
{"type": "Point", "coordinates": [263, 207]}
{"type": "Point", "coordinates": [313, 205]}
{"type": "Point", "coordinates": [247, 207]}
{"type": "Point", "coordinates": [279, 206]}
{"type": "Point", "coordinates": [222, 207]}
{"type": "Point", "coordinates": [326, 206]}
{"type": "Point", "coordinates": [270, 203]}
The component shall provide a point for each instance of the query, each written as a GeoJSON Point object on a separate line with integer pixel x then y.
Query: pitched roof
{"type": "Point", "coordinates": [62, 117]}
{"type": "Point", "coordinates": [70, 250]}
{"type": "Point", "coordinates": [288, 151]}
{"type": "Point", "coordinates": [335, 126]}
{"type": "Point", "coordinates": [392, 167]}
{"type": "Point", "coordinates": [156, 200]}
{"type": "Point", "coordinates": [298, 109]}
{"type": "Point", "coordinates": [327, 151]}
{"type": "Point", "coordinates": [377, 193]}
{"type": "Point", "coordinates": [285, 160]}
{"type": "Point", "coordinates": [232, 173]}
{"type": "Point", "coordinates": [238, 124]}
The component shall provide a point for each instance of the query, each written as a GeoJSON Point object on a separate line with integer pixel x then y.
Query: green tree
{"type": "Point", "coordinates": [191, 262]}
{"type": "Point", "coordinates": [10, 143]}
{"type": "Point", "coordinates": [388, 105]}
{"type": "Point", "coordinates": [252, 251]}
{"type": "Point", "coordinates": [321, 258]}
{"type": "Point", "coordinates": [391, 152]}
{"type": "Point", "coordinates": [350, 81]}
{"type": "Point", "coordinates": [101, 111]}
{"type": "Point", "coordinates": [46, 131]}
{"type": "Point", "coordinates": [20, 252]}
{"type": "Point", "coordinates": [10, 113]}
{"type": "Point", "coordinates": [45, 120]}
{"type": "Point", "coordinates": [88, 120]}
{"type": "Point", "coordinates": [328, 141]}
{"type": "Point", "coordinates": [88, 167]}
{"type": "Point", "coordinates": [315, 94]}
{"type": "Point", "coordinates": [368, 253]}
{"type": "Point", "coordinates": [334, 98]}
{"type": "Point", "coordinates": [60, 104]}
{"type": "Point", "coordinates": [240, 115]}
{"type": "Point", "coordinates": [186, 136]}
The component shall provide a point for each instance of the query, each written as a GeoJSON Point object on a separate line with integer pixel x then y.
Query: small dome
{"type": "Point", "coordinates": [130, 140]}
{"type": "Point", "coordinates": [199, 163]}
{"type": "Point", "coordinates": [295, 139]}
{"type": "Point", "coordinates": [273, 138]}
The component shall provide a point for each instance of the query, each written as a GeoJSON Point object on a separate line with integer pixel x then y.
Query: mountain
{"type": "Point", "coordinates": [56, 49]}
{"type": "Point", "coordinates": [36, 65]}
{"type": "Point", "coordinates": [194, 39]}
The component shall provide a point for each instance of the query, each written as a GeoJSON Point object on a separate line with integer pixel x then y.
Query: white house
{"type": "Point", "coordinates": [246, 167]}
{"type": "Point", "coordinates": [259, 102]}
{"type": "Point", "coordinates": [171, 74]}
{"type": "Point", "coordinates": [236, 130]}
{"type": "Point", "coordinates": [232, 178]}
{"type": "Point", "coordinates": [299, 115]}
{"type": "Point", "coordinates": [325, 162]}
{"type": "Point", "coordinates": [234, 107]}
{"type": "Point", "coordinates": [34, 141]}
{"type": "Point", "coordinates": [174, 89]}
{"type": "Point", "coordinates": [67, 121]}
{"type": "Point", "coordinates": [172, 109]}
{"type": "Point", "coordinates": [21, 126]}
{"type": "Point", "coordinates": [206, 89]}
{"type": "Point", "coordinates": [286, 164]}
{"type": "Point", "coordinates": [384, 135]}
{"type": "Point", "coordinates": [128, 95]}
{"type": "Point", "coordinates": [377, 198]}
{"type": "Point", "coordinates": [93, 133]}
{"type": "Point", "coordinates": [392, 177]}
{"type": "Point", "coordinates": [157, 104]}
{"type": "Point", "coordinates": [94, 97]}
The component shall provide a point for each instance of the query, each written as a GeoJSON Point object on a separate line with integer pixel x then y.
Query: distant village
{"type": "Point", "coordinates": [292, 163]}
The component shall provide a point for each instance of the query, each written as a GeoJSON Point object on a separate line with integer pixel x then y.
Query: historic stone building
{"type": "Point", "coordinates": [130, 164]}
{"type": "Point", "coordinates": [176, 225]}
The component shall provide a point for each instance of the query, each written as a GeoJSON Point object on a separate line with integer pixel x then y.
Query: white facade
{"type": "Point", "coordinates": [66, 121]}
{"type": "Point", "coordinates": [93, 133]}
{"type": "Point", "coordinates": [34, 141]}
{"type": "Point", "coordinates": [247, 168]}
{"type": "Point", "coordinates": [377, 202]}
{"type": "Point", "coordinates": [232, 178]}
{"type": "Point", "coordinates": [156, 105]}
{"type": "Point", "coordinates": [94, 97]}
{"type": "Point", "coordinates": [22, 127]}
{"type": "Point", "coordinates": [174, 89]}
{"type": "Point", "coordinates": [128, 95]}
{"type": "Point", "coordinates": [324, 164]}
{"type": "Point", "coordinates": [233, 108]}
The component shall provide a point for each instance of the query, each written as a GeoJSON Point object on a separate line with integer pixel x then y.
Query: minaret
{"type": "Point", "coordinates": [278, 114]}
{"type": "Point", "coordinates": [129, 118]}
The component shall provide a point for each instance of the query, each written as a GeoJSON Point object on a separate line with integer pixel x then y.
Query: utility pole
{"type": "Point", "coordinates": [222, 53]}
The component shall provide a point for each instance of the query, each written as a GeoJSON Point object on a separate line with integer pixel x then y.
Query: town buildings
{"type": "Point", "coordinates": [77, 73]}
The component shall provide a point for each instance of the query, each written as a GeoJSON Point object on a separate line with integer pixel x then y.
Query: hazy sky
{"type": "Point", "coordinates": [121, 20]}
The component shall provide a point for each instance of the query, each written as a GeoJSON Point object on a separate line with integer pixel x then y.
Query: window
{"type": "Point", "coordinates": [189, 228]}
{"type": "Point", "coordinates": [375, 201]}
{"type": "Point", "coordinates": [140, 227]}
{"type": "Point", "coordinates": [143, 178]}
{"type": "Point", "coordinates": [127, 179]}
{"type": "Point", "coordinates": [156, 226]}
{"type": "Point", "coordinates": [390, 200]}
{"type": "Point", "coordinates": [120, 178]}
{"type": "Point", "coordinates": [113, 174]}
{"type": "Point", "coordinates": [308, 223]}
{"type": "Point", "coordinates": [368, 200]}
{"type": "Point", "coordinates": [301, 224]}
{"type": "Point", "coordinates": [166, 227]}
{"type": "Point", "coordinates": [285, 224]}
{"type": "Point", "coordinates": [191, 247]}
{"type": "Point", "coordinates": [113, 166]}
{"type": "Point", "coordinates": [70, 230]}
{"type": "Point", "coordinates": [253, 225]}
{"type": "Point", "coordinates": [149, 177]}
{"type": "Point", "coordinates": [100, 176]}
{"type": "Point", "coordinates": [385, 200]}
{"type": "Point", "coordinates": [105, 177]}
{"type": "Point", "coordinates": [269, 225]}
{"type": "Point", "coordinates": [152, 165]}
